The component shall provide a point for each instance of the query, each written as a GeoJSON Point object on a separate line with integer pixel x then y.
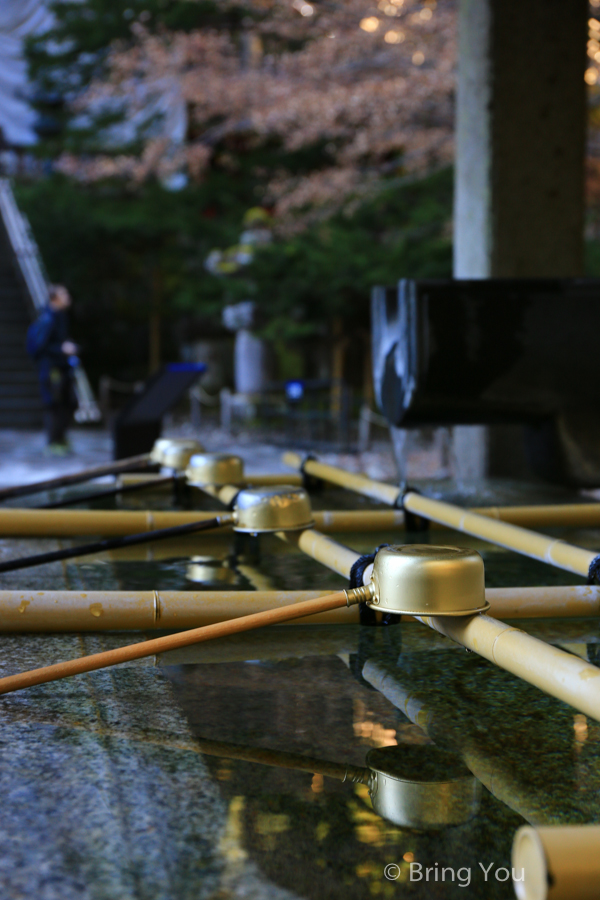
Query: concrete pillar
{"type": "Point", "coordinates": [520, 138]}
{"type": "Point", "coordinates": [520, 143]}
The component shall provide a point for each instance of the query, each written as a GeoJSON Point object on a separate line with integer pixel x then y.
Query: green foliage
{"type": "Point", "coordinates": [592, 259]}
{"type": "Point", "coordinates": [126, 252]}
{"type": "Point", "coordinates": [121, 252]}
{"type": "Point", "coordinates": [329, 270]}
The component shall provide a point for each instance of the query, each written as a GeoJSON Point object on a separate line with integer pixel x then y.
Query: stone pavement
{"type": "Point", "coordinates": [106, 795]}
{"type": "Point", "coordinates": [105, 792]}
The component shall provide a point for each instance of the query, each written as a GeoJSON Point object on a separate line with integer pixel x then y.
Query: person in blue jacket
{"type": "Point", "coordinates": [50, 347]}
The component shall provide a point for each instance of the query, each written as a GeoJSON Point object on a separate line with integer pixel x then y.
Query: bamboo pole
{"type": "Point", "coordinates": [553, 671]}
{"type": "Point", "coordinates": [513, 537]}
{"type": "Point", "coordinates": [71, 522]}
{"type": "Point", "coordinates": [122, 465]}
{"type": "Point", "coordinates": [267, 479]}
{"type": "Point", "coordinates": [23, 611]}
{"type": "Point", "coordinates": [567, 601]}
{"type": "Point", "coordinates": [556, 515]}
{"type": "Point", "coordinates": [80, 522]}
{"type": "Point", "coordinates": [258, 480]}
{"type": "Point", "coordinates": [333, 555]}
{"type": "Point", "coordinates": [376, 490]}
{"type": "Point", "coordinates": [557, 862]}
{"type": "Point", "coordinates": [175, 641]}
{"type": "Point", "coordinates": [64, 611]}
{"type": "Point", "coordinates": [358, 520]}
{"type": "Point", "coordinates": [566, 515]}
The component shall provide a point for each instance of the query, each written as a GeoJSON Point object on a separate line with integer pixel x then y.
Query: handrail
{"type": "Point", "coordinates": [24, 247]}
{"type": "Point", "coordinates": [31, 267]}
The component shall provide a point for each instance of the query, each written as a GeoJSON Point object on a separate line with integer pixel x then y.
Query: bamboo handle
{"type": "Point", "coordinates": [112, 492]}
{"type": "Point", "coordinates": [175, 641]}
{"type": "Point", "coordinates": [22, 490]}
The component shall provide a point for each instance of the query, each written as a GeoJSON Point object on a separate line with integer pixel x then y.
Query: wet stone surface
{"type": "Point", "coordinates": [114, 785]}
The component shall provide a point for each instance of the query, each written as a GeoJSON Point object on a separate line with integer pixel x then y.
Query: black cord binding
{"type": "Point", "coordinates": [412, 522]}
{"type": "Point", "coordinates": [310, 482]}
{"type": "Point", "coordinates": [594, 571]}
{"type": "Point", "coordinates": [233, 501]}
{"type": "Point", "coordinates": [367, 615]}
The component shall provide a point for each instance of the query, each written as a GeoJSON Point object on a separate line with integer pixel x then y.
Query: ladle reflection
{"type": "Point", "coordinates": [211, 571]}
{"type": "Point", "coordinates": [421, 788]}
{"type": "Point", "coordinates": [518, 751]}
{"type": "Point", "coordinates": [228, 570]}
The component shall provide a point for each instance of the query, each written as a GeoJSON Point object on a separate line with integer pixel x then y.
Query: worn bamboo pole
{"type": "Point", "coordinates": [175, 641]}
{"type": "Point", "coordinates": [560, 674]}
{"type": "Point", "coordinates": [513, 537]}
{"type": "Point", "coordinates": [361, 484]}
{"type": "Point", "coordinates": [566, 515]}
{"type": "Point", "coordinates": [63, 611]}
{"type": "Point", "coordinates": [23, 611]}
{"type": "Point", "coordinates": [71, 522]}
{"type": "Point", "coordinates": [556, 862]}
{"type": "Point", "coordinates": [24, 490]}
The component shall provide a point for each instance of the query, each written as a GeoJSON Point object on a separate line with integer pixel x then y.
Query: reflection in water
{"type": "Point", "coordinates": [497, 740]}
{"type": "Point", "coordinates": [211, 571]}
{"type": "Point", "coordinates": [319, 836]}
{"type": "Point", "coordinates": [412, 787]}
{"type": "Point", "coordinates": [539, 761]}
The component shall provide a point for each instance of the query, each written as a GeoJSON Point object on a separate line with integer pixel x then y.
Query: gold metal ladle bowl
{"type": "Point", "coordinates": [425, 580]}
{"type": "Point", "coordinates": [269, 509]}
{"type": "Point", "coordinates": [216, 469]}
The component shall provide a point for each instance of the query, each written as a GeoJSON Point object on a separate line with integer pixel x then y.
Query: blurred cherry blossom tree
{"type": "Point", "coordinates": [370, 86]}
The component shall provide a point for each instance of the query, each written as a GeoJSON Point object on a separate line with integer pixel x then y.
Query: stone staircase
{"type": "Point", "coordinates": [20, 404]}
